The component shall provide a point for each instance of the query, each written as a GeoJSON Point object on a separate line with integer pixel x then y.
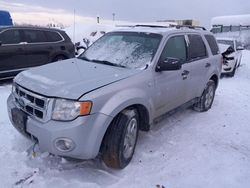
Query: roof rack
{"type": "Point", "coordinates": [190, 27]}
{"type": "Point", "coordinates": [162, 26]}
{"type": "Point", "coordinates": [141, 25]}
{"type": "Point", "coordinates": [153, 26]}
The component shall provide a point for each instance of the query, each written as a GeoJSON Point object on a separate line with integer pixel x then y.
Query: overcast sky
{"type": "Point", "coordinates": [140, 10]}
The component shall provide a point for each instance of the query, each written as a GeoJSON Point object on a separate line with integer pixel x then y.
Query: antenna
{"type": "Point", "coordinates": [98, 19]}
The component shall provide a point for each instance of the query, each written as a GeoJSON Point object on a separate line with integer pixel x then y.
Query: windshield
{"type": "Point", "coordinates": [124, 49]}
{"type": "Point", "coordinates": [226, 42]}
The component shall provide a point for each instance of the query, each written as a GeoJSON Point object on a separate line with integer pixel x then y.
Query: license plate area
{"type": "Point", "coordinates": [19, 119]}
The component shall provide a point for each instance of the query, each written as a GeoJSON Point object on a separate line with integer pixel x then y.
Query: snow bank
{"type": "Point", "coordinates": [87, 30]}
{"type": "Point", "coordinates": [235, 20]}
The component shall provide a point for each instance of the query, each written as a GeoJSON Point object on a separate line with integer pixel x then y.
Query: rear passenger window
{"type": "Point", "coordinates": [175, 48]}
{"type": "Point", "coordinates": [10, 37]}
{"type": "Point", "coordinates": [35, 36]}
{"type": "Point", "coordinates": [212, 44]}
{"type": "Point", "coordinates": [196, 48]}
{"type": "Point", "coordinates": [53, 36]}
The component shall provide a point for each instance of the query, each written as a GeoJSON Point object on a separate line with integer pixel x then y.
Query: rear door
{"type": "Point", "coordinates": [12, 54]}
{"type": "Point", "coordinates": [38, 48]}
{"type": "Point", "coordinates": [199, 63]}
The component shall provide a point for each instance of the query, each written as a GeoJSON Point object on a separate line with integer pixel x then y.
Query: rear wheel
{"type": "Point", "coordinates": [233, 72]}
{"type": "Point", "coordinates": [206, 100]}
{"type": "Point", "coordinates": [120, 139]}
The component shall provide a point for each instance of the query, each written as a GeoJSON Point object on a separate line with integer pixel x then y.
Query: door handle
{"type": "Point", "coordinates": [208, 65]}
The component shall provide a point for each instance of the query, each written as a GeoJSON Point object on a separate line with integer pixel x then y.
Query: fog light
{"type": "Point", "coordinates": [64, 144]}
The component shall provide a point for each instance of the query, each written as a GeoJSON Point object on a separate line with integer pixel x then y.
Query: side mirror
{"type": "Point", "coordinates": [240, 48]}
{"type": "Point", "coordinates": [169, 64]}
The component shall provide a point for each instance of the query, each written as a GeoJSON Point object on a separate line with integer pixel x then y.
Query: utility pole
{"type": "Point", "coordinates": [98, 19]}
{"type": "Point", "coordinates": [113, 17]}
{"type": "Point", "coordinates": [74, 34]}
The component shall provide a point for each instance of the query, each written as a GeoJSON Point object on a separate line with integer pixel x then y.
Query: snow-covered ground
{"type": "Point", "coordinates": [186, 150]}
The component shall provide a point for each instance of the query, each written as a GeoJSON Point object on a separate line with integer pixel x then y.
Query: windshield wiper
{"type": "Point", "coordinates": [107, 63]}
{"type": "Point", "coordinates": [101, 62]}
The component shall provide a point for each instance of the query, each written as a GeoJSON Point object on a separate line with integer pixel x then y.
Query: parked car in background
{"type": "Point", "coordinates": [26, 47]}
{"type": "Point", "coordinates": [232, 59]}
{"type": "Point", "coordinates": [122, 83]}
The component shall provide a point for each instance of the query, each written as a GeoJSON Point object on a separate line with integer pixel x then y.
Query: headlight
{"type": "Point", "coordinates": [66, 110]}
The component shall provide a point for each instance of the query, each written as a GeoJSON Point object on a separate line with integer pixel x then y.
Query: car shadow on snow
{"type": "Point", "coordinates": [91, 171]}
{"type": "Point", "coordinates": [95, 171]}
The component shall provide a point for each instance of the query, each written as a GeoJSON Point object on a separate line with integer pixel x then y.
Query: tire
{"type": "Point", "coordinates": [59, 58]}
{"type": "Point", "coordinates": [231, 74]}
{"type": "Point", "coordinates": [120, 139]}
{"type": "Point", "coordinates": [206, 100]}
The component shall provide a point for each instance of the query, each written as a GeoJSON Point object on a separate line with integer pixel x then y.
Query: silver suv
{"type": "Point", "coordinates": [98, 102]}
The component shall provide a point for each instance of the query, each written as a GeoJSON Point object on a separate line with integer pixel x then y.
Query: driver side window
{"type": "Point", "coordinates": [175, 48]}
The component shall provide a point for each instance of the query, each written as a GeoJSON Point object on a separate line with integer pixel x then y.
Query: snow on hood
{"type": "Point", "coordinates": [71, 78]}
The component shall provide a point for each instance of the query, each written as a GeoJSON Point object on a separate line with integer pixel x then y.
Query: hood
{"type": "Point", "coordinates": [223, 47]}
{"type": "Point", "coordinates": [70, 79]}
{"type": "Point", "coordinates": [226, 50]}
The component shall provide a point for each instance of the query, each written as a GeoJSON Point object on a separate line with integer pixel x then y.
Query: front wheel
{"type": "Point", "coordinates": [206, 100]}
{"type": "Point", "coordinates": [120, 139]}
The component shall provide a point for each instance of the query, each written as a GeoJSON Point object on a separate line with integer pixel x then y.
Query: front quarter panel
{"type": "Point", "coordinates": [112, 99]}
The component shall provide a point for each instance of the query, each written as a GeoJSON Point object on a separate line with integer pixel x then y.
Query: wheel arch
{"type": "Point", "coordinates": [215, 78]}
{"type": "Point", "coordinates": [142, 112]}
{"type": "Point", "coordinates": [143, 116]}
{"type": "Point", "coordinates": [143, 119]}
{"type": "Point", "coordinates": [65, 55]}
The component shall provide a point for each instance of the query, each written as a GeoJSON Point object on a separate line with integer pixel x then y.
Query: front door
{"type": "Point", "coordinates": [171, 85]}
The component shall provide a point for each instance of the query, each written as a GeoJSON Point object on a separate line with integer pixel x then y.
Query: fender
{"type": "Point", "coordinates": [123, 99]}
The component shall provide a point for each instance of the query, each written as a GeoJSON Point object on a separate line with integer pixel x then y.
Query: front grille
{"type": "Point", "coordinates": [31, 103]}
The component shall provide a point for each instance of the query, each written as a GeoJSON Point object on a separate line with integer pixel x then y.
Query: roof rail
{"type": "Point", "coordinates": [190, 27]}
